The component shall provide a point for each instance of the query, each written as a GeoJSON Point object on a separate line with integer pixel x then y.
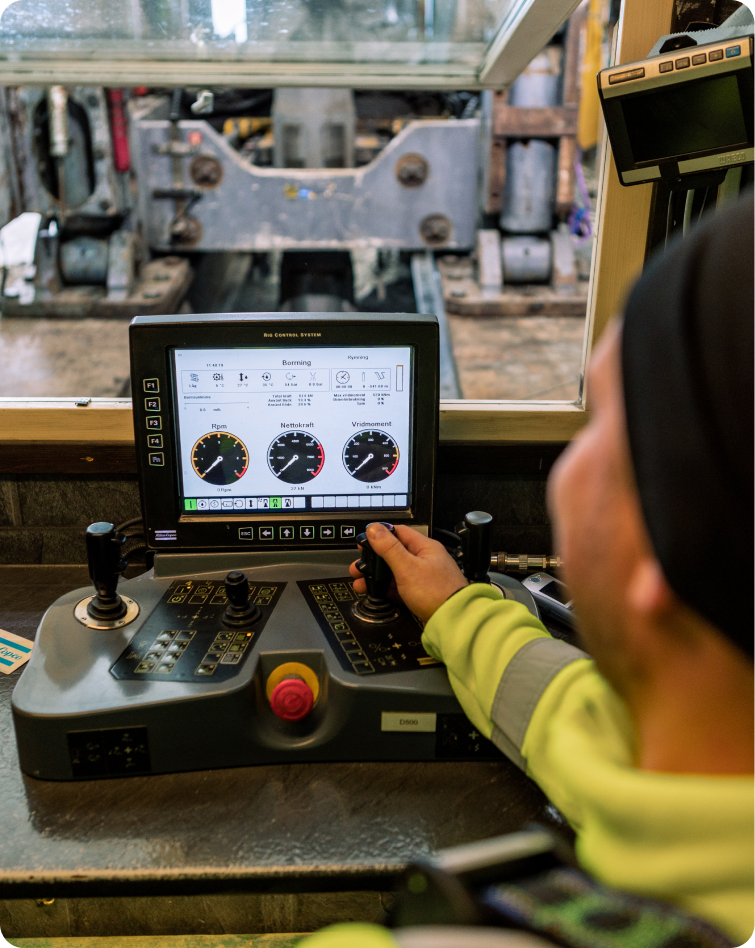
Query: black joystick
{"type": "Point", "coordinates": [375, 606]}
{"type": "Point", "coordinates": [104, 545]}
{"type": "Point", "coordinates": [476, 545]}
{"type": "Point", "coordinates": [239, 612]}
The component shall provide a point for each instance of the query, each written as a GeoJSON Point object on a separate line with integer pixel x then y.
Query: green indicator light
{"type": "Point", "coordinates": [190, 504]}
{"type": "Point", "coordinates": [276, 503]}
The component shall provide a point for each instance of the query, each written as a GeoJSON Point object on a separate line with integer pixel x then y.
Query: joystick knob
{"type": "Point", "coordinates": [375, 606]}
{"type": "Point", "coordinates": [476, 545]}
{"type": "Point", "coordinates": [104, 545]}
{"type": "Point", "coordinates": [239, 611]}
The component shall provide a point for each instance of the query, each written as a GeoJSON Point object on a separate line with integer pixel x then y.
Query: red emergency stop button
{"type": "Point", "coordinates": [292, 690]}
{"type": "Point", "coordinates": [292, 699]}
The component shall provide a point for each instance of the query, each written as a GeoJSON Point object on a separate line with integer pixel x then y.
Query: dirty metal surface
{"type": "Point", "coordinates": [464, 296]}
{"type": "Point", "coordinates": [289, 828]}
{"type": "Point", "coordinates": [254, 208]}
{"type": "Point", "coordinates": [160, 289]}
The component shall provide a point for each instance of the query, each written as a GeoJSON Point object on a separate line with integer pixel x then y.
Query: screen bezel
{"type": "Point", "coordinates": [725, 156]}
{"type": "Point", "coordinates": [153, 340]}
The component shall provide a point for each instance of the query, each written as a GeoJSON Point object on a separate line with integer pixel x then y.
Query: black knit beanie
{"type": "Point", "coordinates": [687, 363]}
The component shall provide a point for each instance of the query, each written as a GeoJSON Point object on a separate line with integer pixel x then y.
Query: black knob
{"type": "Point", "coordinates": [104, 546]}
{"type": "Point", "coordinates": [240, 611]}
{"type": "Point", "coordinates": [375, 606]}
{"type": "Point", "coordinates": [476, 544]}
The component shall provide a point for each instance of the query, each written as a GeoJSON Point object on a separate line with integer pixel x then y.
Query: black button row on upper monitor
{"type": "Point", "coordinates": [698, 59]}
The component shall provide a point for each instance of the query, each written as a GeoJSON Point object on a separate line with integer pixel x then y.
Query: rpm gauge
{"type": "Point", "coordinates": [220, 458]}
{"type": "Point", "coordinates": [370, 455]}
{"type": "Point", "coordinates": [295, 457]}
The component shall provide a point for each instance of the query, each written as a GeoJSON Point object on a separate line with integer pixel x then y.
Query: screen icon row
{"type": "Point", "coordinates": [244, 503]}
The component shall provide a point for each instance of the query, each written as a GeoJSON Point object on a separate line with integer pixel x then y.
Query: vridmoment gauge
{"type": "Point", "coordinates": [220, 458]}
{"type": "Point", "coordinates": [371, 456]}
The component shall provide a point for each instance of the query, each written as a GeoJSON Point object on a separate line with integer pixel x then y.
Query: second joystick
{"type": "Point", "coordinates": [476, 544]}
{"type": "Point", "coordinates": [375, 607]}
{"type": "Point", "coordinates": [239, 612]}
{"type": "Point", "coordinates": [106, 609]}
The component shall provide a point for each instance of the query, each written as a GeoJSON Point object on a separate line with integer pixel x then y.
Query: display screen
{"type": "Point", "coordinates": [287, 429]}
{"type": "Point", "coordinates": [713, 118]}
{"type": "Point", "coordinates": [556, 591]}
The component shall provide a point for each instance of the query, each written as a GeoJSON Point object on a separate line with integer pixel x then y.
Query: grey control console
{"type": "Point", "coordinates": [178, 689]}
{"type": "Point", "coordinates": [266, 443]}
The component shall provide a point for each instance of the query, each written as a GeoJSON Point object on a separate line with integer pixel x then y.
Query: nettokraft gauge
{"type": "Point", "coordinates": [295, 457]}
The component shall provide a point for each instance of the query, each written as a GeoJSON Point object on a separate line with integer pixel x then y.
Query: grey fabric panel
{"type": "Point", "coordinates": [459, 936]}
{"type": "Point", "coordinates": [502, 742]}
{"type": "Point", "coordinates": [523, 682]}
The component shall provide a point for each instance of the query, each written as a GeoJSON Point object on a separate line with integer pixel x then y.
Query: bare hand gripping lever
{"type": "Point", "coordinates": [375, 606]}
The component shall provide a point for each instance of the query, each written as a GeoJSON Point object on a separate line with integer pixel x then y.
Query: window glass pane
{"type": "Point", "coordinates": [158, 200]}
{"type": "Point", "coordinates": [346, 31]}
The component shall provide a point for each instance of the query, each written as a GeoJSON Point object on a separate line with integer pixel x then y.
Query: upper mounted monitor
{"type": "Point", "coordinates": [295, 430]}
{"type": "Point", "coordinates": [685, 112]}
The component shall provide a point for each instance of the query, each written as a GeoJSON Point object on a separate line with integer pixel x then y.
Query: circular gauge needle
{"type": "Point", "coordinates": [368, 458]}
{"type": "Point", "coordinates": [294, 458]}
{"type": "Point", "coordinates": [215, 463]}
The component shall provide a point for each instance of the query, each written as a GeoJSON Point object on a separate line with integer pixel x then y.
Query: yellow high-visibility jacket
{"type": "Point", "coordinates": [684, 838]}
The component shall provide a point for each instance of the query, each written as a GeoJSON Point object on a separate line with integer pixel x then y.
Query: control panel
{"type": "Point", "coordinates": [187, 638]}
{"type": "Point", "coordinates": [265, 447]}
{"type": "Point", "coordinates": [364, 647]}
{"type": "Point", "coordinates": [277, 660]}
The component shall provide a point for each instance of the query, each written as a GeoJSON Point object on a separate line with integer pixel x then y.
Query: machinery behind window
{"type": "Point", "coordinates": [136, 186]}
{"type": "Point", "coordinates": [333, 193]}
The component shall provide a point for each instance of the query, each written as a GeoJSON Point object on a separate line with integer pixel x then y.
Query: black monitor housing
{"type": "Point", "coordinates": [312, 426]}
{"type": "Point", "coordinates": [685, 115]}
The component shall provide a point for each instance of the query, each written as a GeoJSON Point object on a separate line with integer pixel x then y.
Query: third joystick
{"type": "Point", "coordinates": [375, 607]}
{"type": "Point", "coordinates": [239, 612]}
{"type": "Point", "coordinates": [476, 543]}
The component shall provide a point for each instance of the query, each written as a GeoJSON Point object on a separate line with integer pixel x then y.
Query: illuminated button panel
{"type": "Point", "coordinates": [660, 65]}
{"type": "Point", "coordinates": [364, 648]}
{"type": "Point", "coordinates": [184, 638]}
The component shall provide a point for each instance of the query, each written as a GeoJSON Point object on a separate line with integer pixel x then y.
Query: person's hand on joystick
{"type": "Point", "coordinates": [424, 573]}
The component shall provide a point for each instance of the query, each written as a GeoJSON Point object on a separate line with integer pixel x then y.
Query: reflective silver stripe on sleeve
{"type": "Point", "coordinates": [522, 684]}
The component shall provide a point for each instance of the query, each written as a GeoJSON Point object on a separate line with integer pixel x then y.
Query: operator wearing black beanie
{"type": "Point", "coordinates": [687, 363]}
{"type": "Point", "coordinates": [646, 745]}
